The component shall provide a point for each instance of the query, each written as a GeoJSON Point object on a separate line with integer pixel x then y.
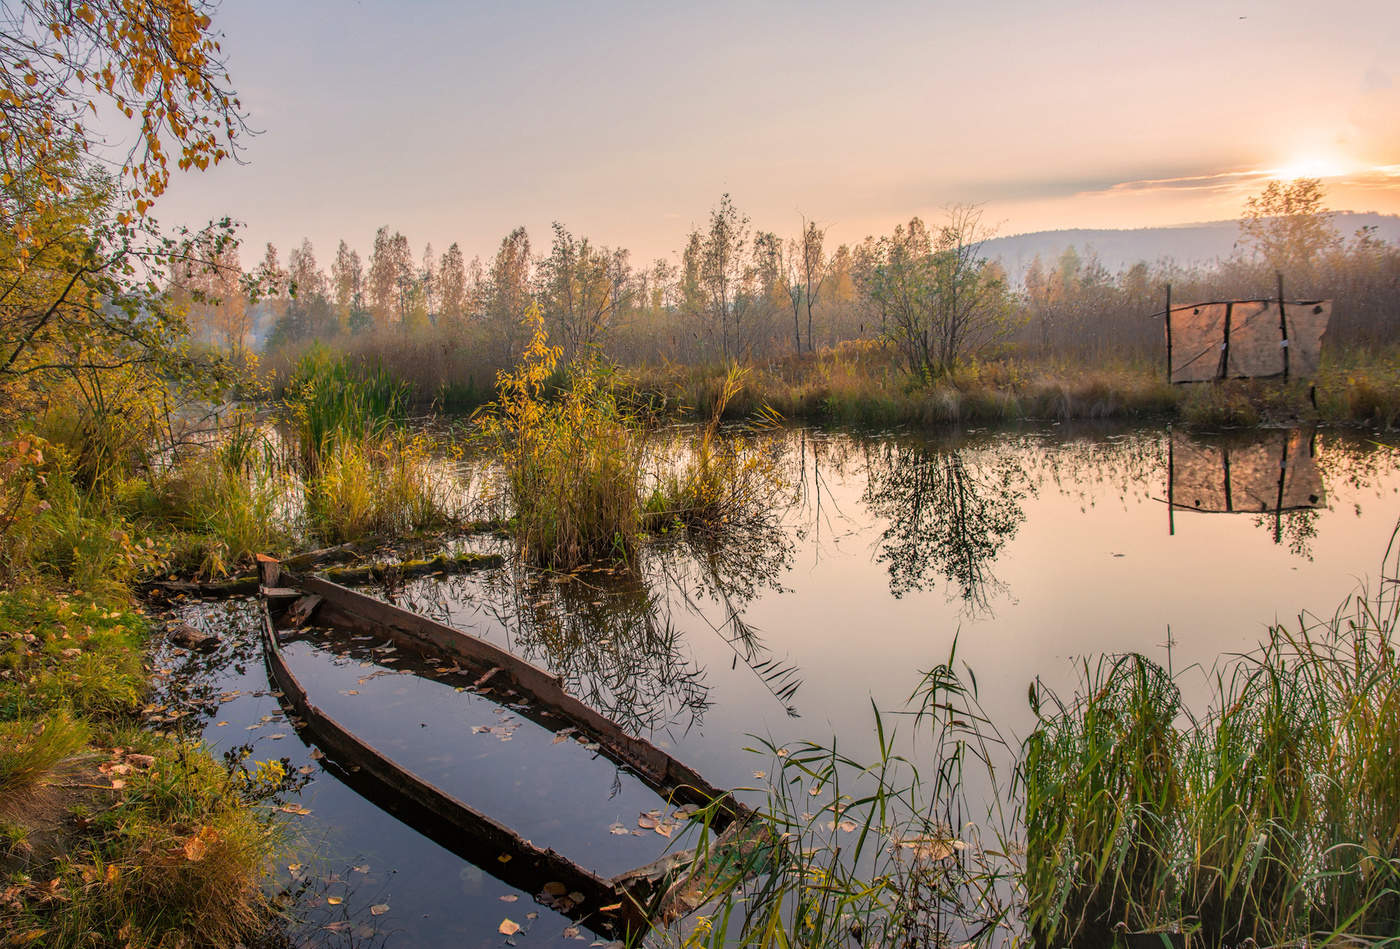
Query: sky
{"type": "Point", "coordinates": [454, 121]}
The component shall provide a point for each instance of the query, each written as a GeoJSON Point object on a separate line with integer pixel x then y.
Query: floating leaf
{"type": "Point", "coordinates": [379, 909]}
{"type": "Point", "coordinates": [508, 927]}
{"type": "Point", "coordinates": [334, 900]}
{"type": "Point", "coordinates": [618, 829]}
{"type": "Point", "coordinates": [509, 898]}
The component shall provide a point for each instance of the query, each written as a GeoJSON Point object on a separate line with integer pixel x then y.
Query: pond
{"type": "Point", "coordinates": [1031, 550]}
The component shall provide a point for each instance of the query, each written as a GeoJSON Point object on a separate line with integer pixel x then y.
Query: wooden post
{"type": "Point", "coordinates": [1169, 334]}
{"type": "Point", "coordinates": [1224, 371]}
{"type": "Point", "coordinates": [1282, 327]}
{"type": "Point", "coordinates": [1171, 480]}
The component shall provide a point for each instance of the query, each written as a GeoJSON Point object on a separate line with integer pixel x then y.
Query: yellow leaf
{"type": "Point", "coordinates": [508, 927]}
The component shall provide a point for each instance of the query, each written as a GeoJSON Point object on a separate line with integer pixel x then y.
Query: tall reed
{"type": "Point", "coordinates": [329, 400]}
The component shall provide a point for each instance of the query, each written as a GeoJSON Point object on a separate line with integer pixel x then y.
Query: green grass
{"type": "Point", "coordinates": [329, 400]}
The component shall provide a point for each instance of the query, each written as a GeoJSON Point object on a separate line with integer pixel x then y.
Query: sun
{"type": "Point", "coordinates": [1312, 166]}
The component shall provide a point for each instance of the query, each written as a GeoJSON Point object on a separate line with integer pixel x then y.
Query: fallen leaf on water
{"type": "Point", "coordinates": [339, 926]}
{"type": "Point", "coordinates": [663, 829]}
{"type": "Point", "coordinates": [276, 735]}
{"type": "Point", "coordinates": [509, 898]}
{"type": "Point", "coordinates": [379, 909]}
{"type": "Point", "coordinates": [220, 724]}
{"type": "Point", "coordinates": [571, 932]}
{"type": "Point", "coordinates": [306, 769]}
{"type": "Point", "coordinates": [617, 829]}
{"type": "Point", "coordinates": [649, 823]}
{"type": "Point", "coordinates": [508, 927]}
{"type": "Point", "coordinates": [362, 868]}
{"type": "Point", "coordinates": [760, 775]}
{"type": "Point", "coordinates": [334, 900]}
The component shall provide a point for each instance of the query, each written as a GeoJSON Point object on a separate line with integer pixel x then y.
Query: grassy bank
{"type": "Point", "coordinates": [860, 383]}
{"type": "Point", "coordinates": [111, 834]}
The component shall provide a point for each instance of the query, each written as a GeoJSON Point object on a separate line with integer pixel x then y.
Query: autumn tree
{"type": "Point", "coordinates": [207, 285]}
{"type": "Point", "coordinates": [428, 281]}
{"type": "Point", "coordinates": [717, 274]}
{"type": "Point", "coordinates": [347, 288]}
{"type": "Point", "coordinates": [87, 280]}
{"type": "Point", "coordinates": [1287, 226]}
{"type": "Point", "coordinates": [812, 262]}
{"type": "Point", "coordinates": [390, 280]}
{"type": "Point", "coordinates": [307, 312]}
{"type": "Point", "coordinates": [505, 291]}
{"type": "Point", "coordinates": [941, 300]}
{"type": "Point", "coordinates": [582, 288]}
{"type": "Point", "coordinates": [155, 62]}
{"type": "Point", "coordinates": [452, 286]}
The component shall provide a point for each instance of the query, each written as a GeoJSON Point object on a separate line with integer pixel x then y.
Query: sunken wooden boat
{"type": "Point", "coordinates": [618, 907]}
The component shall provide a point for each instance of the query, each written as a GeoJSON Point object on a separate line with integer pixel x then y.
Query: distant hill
{"type": "Point", "coordinates": [1184, 244]}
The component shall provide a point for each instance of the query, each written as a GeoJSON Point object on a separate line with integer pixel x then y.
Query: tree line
{"type": "Point", "coordinates": [739, 293]}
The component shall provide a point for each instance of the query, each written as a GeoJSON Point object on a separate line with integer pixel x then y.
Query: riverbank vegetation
{"type": "Point", "coordinates": [1263, 814]}
{"type": "Point", "coordinates": [918, 327]}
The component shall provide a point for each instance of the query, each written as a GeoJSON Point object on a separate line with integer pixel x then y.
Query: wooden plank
{"type": "Point", "coordinates": [662, 772]}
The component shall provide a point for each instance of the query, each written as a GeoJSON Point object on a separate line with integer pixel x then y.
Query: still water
{"type": "Point", "coordinates": [1031, 550]}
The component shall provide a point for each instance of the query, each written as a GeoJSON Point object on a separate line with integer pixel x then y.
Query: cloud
{"type": "Point", "coordinates": [1223, 181]}
{"type": "Point", "coordinates": [1379, 177]}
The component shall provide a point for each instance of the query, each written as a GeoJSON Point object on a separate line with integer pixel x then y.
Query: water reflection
{"type": "Point", "coordinates": [1271, 474]}
{"type": "Point", "coordinates": [618, 636]}
{"type": "Point", "coordinates": [950, 512]}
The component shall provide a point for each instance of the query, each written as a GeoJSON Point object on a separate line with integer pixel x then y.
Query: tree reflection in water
{"type": "Point", "coordinates": [950, 512]}
{"type": "Point", "coordinates": [617, 636]}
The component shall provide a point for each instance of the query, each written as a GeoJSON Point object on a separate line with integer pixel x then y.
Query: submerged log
{"type": "Point", "coordinates": [247, 584]}
{"type": "Point", "coordinates": [407, 569]}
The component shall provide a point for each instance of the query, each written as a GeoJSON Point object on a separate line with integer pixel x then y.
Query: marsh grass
{"type": "Point", "coordinates": [100, 847]}
{"type": "Point", "coordinates": [329, 400]}
{"type": "Point", "coordinates": [1274, 817]}
{"type": "Point", "coordinates": [860, 383]}
{"type": "Point", "coordinates": [390, 486]}
{"type": "Point", "coordinates": [887, 851]}
{"type": "Point", "coordinates": [31, 752]}
{"type": "Point", "coordinates": [580, 472]}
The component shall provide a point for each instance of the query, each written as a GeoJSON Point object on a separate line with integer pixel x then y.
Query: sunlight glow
{"type": "Point", "coordinates": [1312, 166]}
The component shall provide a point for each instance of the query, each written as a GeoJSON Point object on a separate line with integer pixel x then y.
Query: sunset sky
{"type": "Point", "coordinates": [452, 121]}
